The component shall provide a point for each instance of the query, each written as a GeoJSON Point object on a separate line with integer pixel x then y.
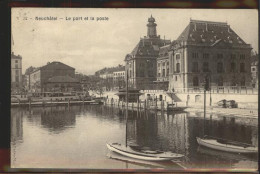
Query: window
{"type": "Point", "coordinates": [159, 74]}
{"type": "Point", "coordinates": [163, 73]}
{"type": "Point", "coordinates": [16, 65]}
{"type": "Point", "coordinates": [195, 67]}
{"type": "Point", "coordinates": [242, 67]}
{"type": "Point", "coordinates": [163, 63]}
{"type": "Point", "coordinates": [17, 72]}
{"type": "Point", "coordinates": [16, 61]}
{"type": "Point", "coordinates": [159, 65]}
{"type": "Point", "coordinates": [220, 67]}
{"type": "Point", "coordinates": [253, 69]}
{"type": "Point", "coordinates": [176, 78]}
{"type": "Point", "coordinates": [167, 64]}
{"type": "Point", "coordinates": [195, 55]}
{"type": "Point", "coordinates": [177, 67]}
{"type": "Point", "coordinates": [242, 56]}
{"type": "Point", "coordinates": [195, 81]}
{"type": "Point", "coordinates": [178, 56]}
{"type": "Point", "coordinates": [232, 67]}
{"type": "Point", "coordinates": [205, 67]}
{"type": "Point", "coordinates": [219, 56]}
{"type": "Point", "coordinates": [220, 81]}
{"type": "Point", "coordinates": [205, 55]}
{"type": "Point", "coordinates": [233, 56]}
{"type": "Point", "coordinates": [167, 72]}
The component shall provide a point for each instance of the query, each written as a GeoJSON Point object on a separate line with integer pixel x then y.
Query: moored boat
{"type": "Point", "coordinates": [228, 147]}
{"type": "Point", "coordinates": [143, 154]}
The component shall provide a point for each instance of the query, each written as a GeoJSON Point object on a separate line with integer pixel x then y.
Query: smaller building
{"type": "Point", "coordinates": [133, 94]}
{"type": "Point", "coordinates": [43, 78]}
{"type": "Point", "coordinates": [119, 78]}
{"type": "Point", "coordinates": [62, 84]}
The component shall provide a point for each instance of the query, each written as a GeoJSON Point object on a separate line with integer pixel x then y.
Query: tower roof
{"type": "Point", "coordinates": [151, 19]}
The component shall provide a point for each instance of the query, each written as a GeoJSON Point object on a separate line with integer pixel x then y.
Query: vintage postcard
{"type": "Point", "coordinates": [174, 89]}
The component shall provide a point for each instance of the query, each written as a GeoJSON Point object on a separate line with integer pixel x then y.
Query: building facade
{"type": "Point", "coordinates": [16, 73]}
{"type": "Point", "coordinates": [141, 63]}
{"type": "Point", "coordinates": [254, 71]}
{"type": "Point", "coordinates": [53, 76]}
{"type": "Point", "coordinates": [119, 78]}
{"type": "Point", "coordinates": [163, 68]}
{"type": "Point", "coordinates": [209, 50]}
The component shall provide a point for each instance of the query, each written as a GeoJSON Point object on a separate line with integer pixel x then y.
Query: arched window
{"type": "Point", "coordinates": [195, 81]}
{"type": "Point", "coordinates": [177, 67]}
{"type": "Point", "coordinates": [206, 67]}
{"type": "Point", "coordinates": [232, 67]}
{"type": "Point", "coordinates": [242, 67]}
{"type": "Point", "coordinates": [220, 81]}
{"type": "Point", "coordinates": [195, 67]}
{"type": "Point", "coordinates": [163, 72]}
{"type": "Point", "coordinates": [220, 67]}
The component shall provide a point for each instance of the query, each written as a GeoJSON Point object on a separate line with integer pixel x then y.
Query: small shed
{"type": "Point", "coordinates": [133, 94]}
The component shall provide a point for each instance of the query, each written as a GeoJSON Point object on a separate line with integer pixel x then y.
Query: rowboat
{"type": "Point", "coordinates": [228, 147]}
{"type": "Point", "coordinates": [143, 154]}
{"type": "Point", "coordinates": [176, 165]}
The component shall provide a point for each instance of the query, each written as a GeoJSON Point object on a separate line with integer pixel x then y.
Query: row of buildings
{"type": "Point", "coordinates": [204, 49]}
{"type": "Point", "coordinates": [112, 78]}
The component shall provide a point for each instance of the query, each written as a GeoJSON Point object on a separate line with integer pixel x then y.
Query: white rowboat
{"type": "Point", "coordinates": [142, 155]}
{"type": "Point", "coordinates": [214, 144]}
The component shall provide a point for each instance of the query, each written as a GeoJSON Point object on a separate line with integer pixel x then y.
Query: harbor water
{"type": "Point", "coordinates": [76, 137]}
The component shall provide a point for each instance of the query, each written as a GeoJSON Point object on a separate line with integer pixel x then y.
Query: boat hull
{"type": "Point", "coordinates": [211, 143]}
{"type": "Point", "coordinates": [127, 151]}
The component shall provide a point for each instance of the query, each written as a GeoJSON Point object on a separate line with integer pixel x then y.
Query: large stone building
{"type": "Point", "coordinates": [16, 73]}
{"type": "Point", "coordinates": [54, 76]}
{"type": "Point", "coordinates": [163, 68]}
{"type": "Point", "coordinates": [141, 62]}
{"type": "Point", "coordinates": [209, 49]}
{"type": "Point", "coordinates": [254, 70]}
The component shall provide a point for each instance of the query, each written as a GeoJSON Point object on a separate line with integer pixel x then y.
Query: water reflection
{"type": "Point", "coordinates": [58, 119]}
{"type": "Point", "coordinates": [90, 127]}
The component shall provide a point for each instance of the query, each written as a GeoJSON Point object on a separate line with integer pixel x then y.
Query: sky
{"type": "Point", "coordinates": [90, 45]}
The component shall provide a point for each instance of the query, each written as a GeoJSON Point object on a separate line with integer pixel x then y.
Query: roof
{"type": "Point", "coordinates": [56, 63]}
{"type": "Point", "coordinates": [111, 70]}
{"type": "Point", "coordinates": [163, 51]}
{"type": "Point", "coordinates": [15, 57]}
{"type": "Point", "coordinates": [62, 79]}
{"type": "Point", "coordinates": [210, 33]}
{"type": "Point", "coordinates": [148, 47]}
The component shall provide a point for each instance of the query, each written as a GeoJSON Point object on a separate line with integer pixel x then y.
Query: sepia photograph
{"type": "Point", "coordinates": [170, 89]}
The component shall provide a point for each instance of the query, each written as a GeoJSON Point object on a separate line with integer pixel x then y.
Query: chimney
{"type": "Point", "coordinates": [206, 26]}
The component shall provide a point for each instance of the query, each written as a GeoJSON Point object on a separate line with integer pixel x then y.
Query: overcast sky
{"type": "Point", "coordinates": [91, 45]}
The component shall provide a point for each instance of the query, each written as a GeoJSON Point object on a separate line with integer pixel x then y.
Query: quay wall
{"type": "Point", "coordinates": [196, 99]}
